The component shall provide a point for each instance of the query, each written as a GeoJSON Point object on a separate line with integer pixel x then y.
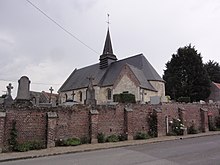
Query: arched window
{"type": "Point", "coordinates": [66, 97]}
{"type": "Point", "coordinates": [109, 94]}
{"type": "Point", "coordinates": [80, 96]}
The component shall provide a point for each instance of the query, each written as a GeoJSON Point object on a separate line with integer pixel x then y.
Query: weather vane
{"type": "Point", "coordinates": [108, 21]}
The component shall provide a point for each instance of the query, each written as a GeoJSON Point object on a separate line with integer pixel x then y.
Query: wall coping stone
{"type": "Point", "coordinates": [128, 109]}
{"type": "Point", "coordinates": [52, 114]}
{"type": "Point", "coordinates": [157, 110]}
{"type": "Point", "coordinates": [181, 109]}
{"type": "Point", "coordinates": [94, 112]}
{"type": "Point", "coordinates": [2, 114]}
{"type": "Point", "coordinates": [204, 109]}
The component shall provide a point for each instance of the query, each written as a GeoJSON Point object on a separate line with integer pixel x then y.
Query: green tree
{"type": "Point", "coordinates": [186, 76]}
{"type": "Point", "coordinates": [213, 70]}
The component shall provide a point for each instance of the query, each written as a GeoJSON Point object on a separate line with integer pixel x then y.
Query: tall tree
{"type": "Point", "coordinates": [213, 70]}
{"type": "Point", "coordinates": [186, 76]}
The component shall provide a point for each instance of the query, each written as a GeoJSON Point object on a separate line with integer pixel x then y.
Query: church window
{"type": "Point", "coordinates": [109, 94]}
{"type": "Point", "coordinates": [66, 97]}
{"type": "Point", "coordinates": [80, 96]}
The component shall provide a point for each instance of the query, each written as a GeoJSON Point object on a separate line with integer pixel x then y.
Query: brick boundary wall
{"type": "Point", "coordinates": [50, 124]}
{"type": "Point", "coordinates": [2, 129]}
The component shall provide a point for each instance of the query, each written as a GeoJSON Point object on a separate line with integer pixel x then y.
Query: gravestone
{"type": "Point", "coordinates": [8, 101]}
{"type": "Point", "coordinates": [155, 100]}
{"type": "Point", "coordinates": [90, 94]}
{"type": "Point", "coordinates": [51, 91]}
{"type": "Point", "coordinates": [23, 94]}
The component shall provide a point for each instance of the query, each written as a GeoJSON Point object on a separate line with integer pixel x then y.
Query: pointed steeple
{"type": "Point", "coordinates": [108, 45]}
{"type": "Point", "coordinates": [107, 56]}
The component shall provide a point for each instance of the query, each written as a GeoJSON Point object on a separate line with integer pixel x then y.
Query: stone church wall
{"type": "Point", "coordinates": [159, 86]}
{"type": "Point", "coordinates": [125, 84]}
{"type": "Point", "coordinates": [102, 94]}
{"type": "Point", "coordinates": [50, 124]}
{"type": "Point", "coordinates": [148, 94]}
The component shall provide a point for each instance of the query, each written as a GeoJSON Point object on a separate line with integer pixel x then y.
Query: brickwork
{"type": "Point", "coordinates": [30, 124]}
{"type": "Point", "coordinates": [72, 122]}
{"type": "Point", "coordinates": [160, 122]}
{"type": "Point", "coordinates": [204, 119]}
{"type": "Point", "coordinates": [50, 124]}
{"type": "Point", "coordinates": [2, 132]}
{"type": "Point", "coordinates": [111, 120]}
{"type": "Point", "coordinates": [51, 128]}
{"type": "Point", "coordinates": [140, 118]}
{"type": "Point", "coordinates": [94, 118]}
{"type": "Point", "coordinates": [129, 123]}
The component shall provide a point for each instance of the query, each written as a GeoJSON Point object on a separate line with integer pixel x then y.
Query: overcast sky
{"type": "Point", "coordinates": [32, 45]}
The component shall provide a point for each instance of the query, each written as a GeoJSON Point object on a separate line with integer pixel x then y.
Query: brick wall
{"type": "Point", "coordinates": [111, 119]}
{"type": "Point", "coordinates": [50, 124]}
{"type": "Point", "coordinates": [2, 130]}
{"type": "Point", "coordinates": [30, 124]}
{"type": "Point", "coordinates": [72, 122]}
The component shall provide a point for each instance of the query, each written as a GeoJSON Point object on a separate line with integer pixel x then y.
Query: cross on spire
{"type": "Point", "coordinates": [108, 21]}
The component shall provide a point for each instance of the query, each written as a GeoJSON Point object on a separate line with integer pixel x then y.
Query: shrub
{"type": "Point", "coordinates": [59, 142]}
{"type": "Point", "coordinates": [23, 147]}
{"type": "Point", "coordinates": [37, 145]}
{"type": "Point", "coordinates": [177, 127]}
{"type": "Point", "coordinates": [112, 138]}
{"type": "Point", "coordinates": [142, 135]}
{"type": "Point", "coordinates": [192, 130]}
{"type": "Point", "coordinates": [217, 121]}
{"type": "Point", "coordinates": [31, 145]}
{"type": "Point", "coordinates": [72, 142]}
{"type": "Point", "coordinates": [68, 142]}
{"type": "Point", "coordinates": [101, 138]}
{"type": "Point", "coordinates": [122, 137]}
{"type": "Point", "coordinates": [184, 99]}
{"type": "Point", "coordinates": [124, 98]}
{"type": "Point", "coordinates": [171, 134]}
{"type": "Point", "coordinates": [85, 140]}
{"type": "Point", "coordinates": [212, 126]}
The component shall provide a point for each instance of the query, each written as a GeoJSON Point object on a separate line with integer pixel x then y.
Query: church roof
{"type": "Point", "coordinates": [141, 78]}
{"type": "Point", "coordinates": [139, 65]}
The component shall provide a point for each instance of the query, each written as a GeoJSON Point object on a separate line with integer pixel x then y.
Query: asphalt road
{"type": "Point", "coordinates": [196, 151]}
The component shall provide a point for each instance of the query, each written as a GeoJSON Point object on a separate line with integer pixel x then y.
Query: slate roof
{"type": "Point", "coordinates": [139, 65]}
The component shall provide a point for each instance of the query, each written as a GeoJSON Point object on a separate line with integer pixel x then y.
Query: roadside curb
{"type": "Point", "coordinates": [5, 157]}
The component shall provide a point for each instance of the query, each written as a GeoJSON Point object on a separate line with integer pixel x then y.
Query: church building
{"type": "Point", "coordinates": [110, 76]}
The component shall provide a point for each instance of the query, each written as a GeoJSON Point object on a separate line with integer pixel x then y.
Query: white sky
{"type": "Point", "coordinates": [32, 45]}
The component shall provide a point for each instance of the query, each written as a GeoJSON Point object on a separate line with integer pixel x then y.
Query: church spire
{"type": "Point", "coordinates": [107, 56]}
{"type": "Point", "coordinates": [108, 44]}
